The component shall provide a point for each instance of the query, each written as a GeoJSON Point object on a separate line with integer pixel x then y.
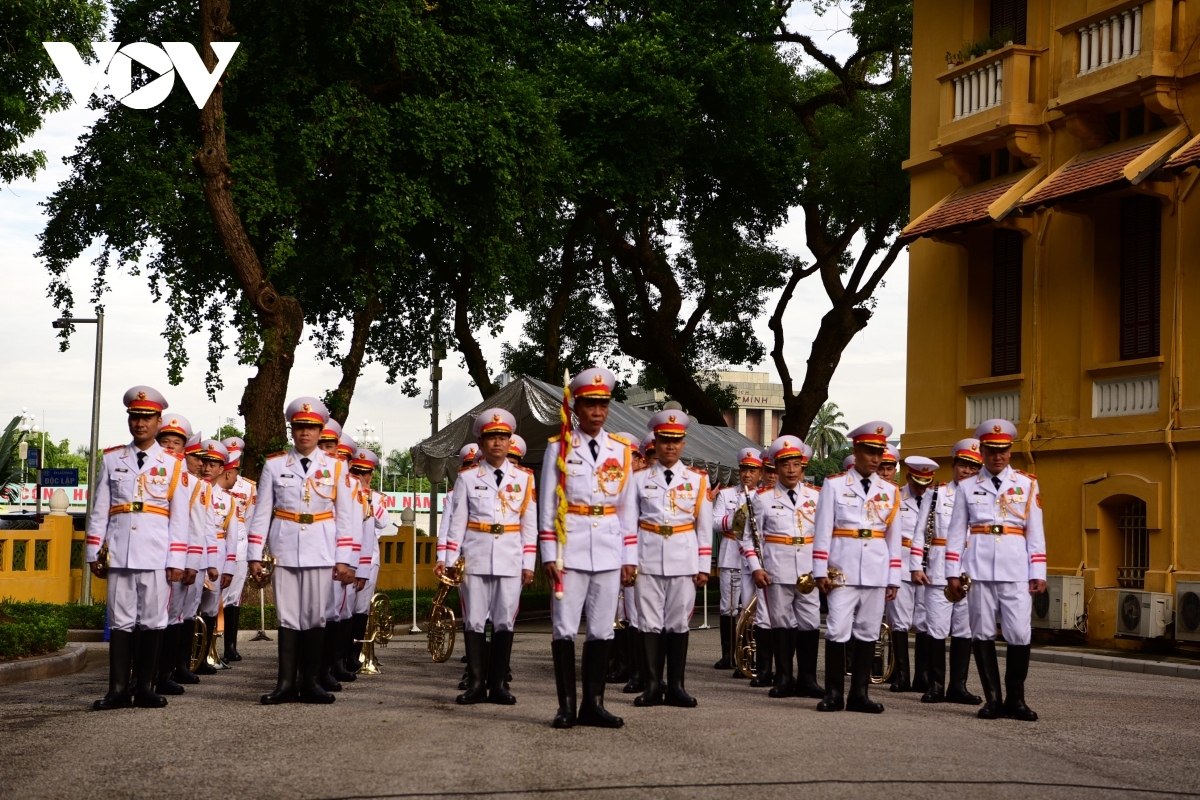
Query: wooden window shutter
{"type": "Point", "coordinates": [1141, 269]}
{"type": "Point", "coordinates": [1008, 19]}
{"type": "Point", "coordinates": [1006, 302]}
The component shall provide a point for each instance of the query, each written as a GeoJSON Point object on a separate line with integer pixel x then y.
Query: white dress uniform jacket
{"type": "Point", "coordinates": [494, 527]}
{"type": "Point", "coordinates": [375, 524]}
{"type": "Point", "coordinates": [724, 507]}
{"type": "Point", "coordinates": [914, 517]}
{"type": "Point", "coordinates": [224, 514]}
{"type": "Point", "coordinates": [141, 513]}
{"type": "Point", "coordinates": [202, 540]}
{"type": "Point", "coordinates": [245, 495]}
{"type": "Point", "coordinates": [444, 525]}
{"type": "Point", "coordinates": [308, 517]}
{"type": "Point", "coordinates": [674, 521]}
{"type": "Point", "coordinates": [946, 495]}
{"type": "Point", "coordinates": [872, 555]}
{"type": "Point", "coordinates": [785, 528]}
{"type": "Point", "coordinates": [996, 533]}
{"type": "Point", "coordinates": [602, 521]}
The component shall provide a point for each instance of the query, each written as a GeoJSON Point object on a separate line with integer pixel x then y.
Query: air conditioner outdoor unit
{"type": "Point", "coordinates": [1187, 611]}
{"type": "Point", "coordinates": [1060, 607]}
{"type": "Point", "coordinates": [1144, 615]}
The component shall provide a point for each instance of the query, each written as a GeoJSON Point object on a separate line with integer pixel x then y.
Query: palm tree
{"type": "Point", "coordinates": [11, 473]}
{"type": "Point", "coordinates": [828, 431]}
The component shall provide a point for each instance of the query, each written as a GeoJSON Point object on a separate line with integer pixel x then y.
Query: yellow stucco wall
{"type": "Point", "coordinates": [1085, 465]}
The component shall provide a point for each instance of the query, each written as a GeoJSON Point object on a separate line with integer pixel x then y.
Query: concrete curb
{"type": "Point", "coordinates": [1169, 669]}
{"type": "Point", "coordinates": [69, 660]}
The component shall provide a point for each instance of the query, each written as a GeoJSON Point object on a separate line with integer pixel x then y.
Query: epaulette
{"type": "Point", "coordinates": [277, 455]}
{"type": "Point", "coordinates": [620, 439]}
{"type": "Point", "coordinates": [553, 439]}
{"type": "Point", "coordinates": [466, 469]}
{"type": "Point", "coordinates": [523, 469]}
{"type": "Point", "coordinates": [1029, 475]}
{"type": "Point", "coordinates": [762, 489]}
{"type": "Point", "coordinates": [252, 483]}
{"type": "Point", "coordinates": [835, 475]}
{"type": "Point", "coordinates": [177, 455]}
{"type": "Point", "coordinates": [115, 447]}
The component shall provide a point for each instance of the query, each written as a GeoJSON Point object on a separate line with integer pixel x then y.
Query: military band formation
{"type": "Point", "coordinates": [623, 530]}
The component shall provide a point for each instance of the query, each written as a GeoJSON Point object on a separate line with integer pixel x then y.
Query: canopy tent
{"type": "Point", "coordinates": [536, 406]}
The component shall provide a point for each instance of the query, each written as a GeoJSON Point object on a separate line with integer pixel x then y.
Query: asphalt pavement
{"type": "Point", "coordinates": [1102, 734]}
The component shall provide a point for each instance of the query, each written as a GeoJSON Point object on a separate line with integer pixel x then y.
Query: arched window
{"type": "Point", "coordinates": [1131, 526]}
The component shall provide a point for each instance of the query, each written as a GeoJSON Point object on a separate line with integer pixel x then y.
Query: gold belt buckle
{"type": "Point", "coordinates": [596, 511]}
{"type": "Point", "coordinates": [305, 519]}
{"type": "Point", "coordinates": [137, 505]}
{"type": "Point", "coordinates": [497, 528]}
{"type": "Point", "coordinates": [998, 530]}
{"type": "Point", "coordinates": [666, 530]}
{"type": "Point", "coordinates": [797, 541]}
{"type": "Point", "coordinates": [865, 533]}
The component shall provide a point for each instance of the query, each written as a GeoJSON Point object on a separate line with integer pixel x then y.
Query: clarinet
{"type": "Point", "coordinates": [755, 540]}
{"type": "Point", "coordinates": [930, 529]}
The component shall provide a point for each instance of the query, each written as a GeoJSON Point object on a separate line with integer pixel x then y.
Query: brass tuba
{"type": "Point", "coordinates": [966, 587]}
{"type": "Point", "coordinates": [884, 662]}
{"type": "Point", "coordinates": [745, 649]}
{"type": "Point", "coordinates": [213, 657]}
{"type": "Point", "coordinates": [380, 627]}
{"type": "Point", "coordinates": [199, 633]}
{"type": "Point", "coordinates": [441, 618]}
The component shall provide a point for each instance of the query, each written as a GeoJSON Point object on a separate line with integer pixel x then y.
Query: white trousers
{"type": "Point", "coordinates": [665, 603]}
{"type": "Point", "coordinates": [138, 598]}
{"type": "Point", "coordinates": [593, 592]}
{"type": "Point", "coordinates": [761, 618]}
{"type": "Point", "coordinates": [232, 596]}
{"type": "Point", "coordinates": [340, 605]}
{"type": "Point", "coordinates": [185, 601]}
{"type": "Point", "coordinates": [494, 597]}
{"type": "Point", "coordinates": [210, 601]}
{"type": "Point", "coordinates": [788, 608]}
{"type": "Point", "coordinates": [1014, 603]}
{"type": "Point", "coordinates": [301, 595]}
{"type": "Point", "coordinates": [362, 600]}
{"type": "Point", "coordinates": [907, 611]}
{"type": "Point", "coordinates": [627, 605]}
{"type": "Point", "coordinates": [731, 590]}
{"type": "Point", "coordinates": [854, 610]}
{"type": "Point", "coordinates": [943, 618]}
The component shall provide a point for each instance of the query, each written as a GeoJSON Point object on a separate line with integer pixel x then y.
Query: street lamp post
{"type": "Point", "coordinates": [25, 427]}
{"type": "Point", "coordinates": [409, 517]}
{"type": "Point", "coordinates": [85, 585]}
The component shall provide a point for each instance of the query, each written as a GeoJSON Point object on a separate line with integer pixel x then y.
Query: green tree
{"type": "Point", "coordinates": [29, 89]}
{"type": "Point", "coordinates": [821, 468]}
{"type": "Point", "coordinates": [12, 473]}
{"type": "Point", "coordinates": [827, 434]}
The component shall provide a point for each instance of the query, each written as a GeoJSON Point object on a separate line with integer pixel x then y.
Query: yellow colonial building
{"type": "Point", "coordinates": [1055, 282]}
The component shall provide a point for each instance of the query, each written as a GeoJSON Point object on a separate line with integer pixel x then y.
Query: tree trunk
{"type": "Point", "coordinates": [568, 271]}
{"type": "Point", "coordinates": [468, 345]}
{"type": "Point", "coordinates": [280, 317]}
{"type": "Point", "coordinates": [339, 405]}
{"type": "Point", "coordinates": [838, 327]}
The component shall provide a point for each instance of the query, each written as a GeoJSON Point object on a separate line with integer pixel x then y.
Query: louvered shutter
{"type": "Point", "coordinates": [1006, 302]}
{"type": "Point", "coordinates": [1009, 15]}
{"type": "Point", "coordinates": [1141, 256]}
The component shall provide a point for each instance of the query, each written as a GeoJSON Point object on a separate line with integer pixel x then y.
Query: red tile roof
{"type": "Point", "coordinates": [1085, 174]}
{"type": "Point", "coordinates": [961, 207]}
{"type": "Point", "coordinates": [1188, 154]}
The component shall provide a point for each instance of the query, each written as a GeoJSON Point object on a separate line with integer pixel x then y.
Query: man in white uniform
{"type": "Point", "coordinates": [600, 547]}
{"type": "Point", "coordinates": [996, 538]}
{"type": "Point", "coordinates": [339, 608]}
{"type": "Point", "coordinates": [942, 617]}
{"type": "Point", "coordinates": [244, 492]}
{"type": "Point", "coordinates": [306, 510]}
{"type": "Point", "coordinates": [625, 658]}
{"type": "Point", "coordinates": [140, 513]}
{"type": "Point", "coordinates": [173, 436]}
{"type": "Point", "coordinates": [914, 514]}
{"type": "Point", "coordinates": [674, 558]}
{"type": "Point", "coordinates": [375, 525]}
{"type": "Point", "coordinates": [222, 511]}
{"type": "Point", "coordinates": [858, 534]}
{"type": "Point", "coordinates": [729, 558]}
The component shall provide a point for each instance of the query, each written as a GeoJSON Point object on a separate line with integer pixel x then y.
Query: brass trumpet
{"type": "Point", "coordinates": [966, 587]}
{"type": "Point", "coordinates": [806, 583]}
{"type": "Point", "coordinates": [104, 558]}
{"type": "Point", "coordinates": [836, 577]}
{"type": "Point", "coordinates": [380, 627]}
{"type": "Point", "coordinates": [440, 643]}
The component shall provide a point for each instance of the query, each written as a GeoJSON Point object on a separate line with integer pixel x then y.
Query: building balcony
{"type": "Point", "coordinates": [1117, 53]}
{"type": "Point", "coordinates": [992, 101]}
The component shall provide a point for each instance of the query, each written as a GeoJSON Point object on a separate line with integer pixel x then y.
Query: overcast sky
{"type": "Point", "coordinates": [869, 383]}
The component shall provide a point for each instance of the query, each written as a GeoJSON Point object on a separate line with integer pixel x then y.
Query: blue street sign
{"type": "Point", "coordinates": [34, 458]}
{"type": "Point", "coordinates": [56, 478]}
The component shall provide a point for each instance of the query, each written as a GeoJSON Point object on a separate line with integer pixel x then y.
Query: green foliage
{"type": "Point", "coordinates": [29, 629]}
{"type": "Point", "coordinates": [827, 434]}
{"type": "Point", "coordinates": [11, 469]}
{"type": "Point", "coordinates": [821, 468]}
{"type": "Point", "coordinates": [29, 84]}
{"type": "Point", "coordinates": [400, 477]}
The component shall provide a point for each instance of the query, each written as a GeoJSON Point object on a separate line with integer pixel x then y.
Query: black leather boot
{"type": "Point", "coordinates": [563, 651]}
{"type": "Point", "coordinates": [619, 667]}
{"type": "Point", "coordinates": [358, 630]}
{"type": "Point", "coordinates": [1016, 670]}
{"type": "Point", "coordinates": [782, 645]}
{"type": "Point", "coordinates": [120, 662]}
{"type": "Point", "coordinates": [289, 660]}
{"type": "Point", "coordinates": [341, 646]}
{"type": "Point", "coordinates": [677, 649]}
{"type": "Point", "coordinates": [477, 669]}
{"type": "Point", "coordinates": [935, 668]}
{"type": "Point", "coordinates": [312, 647]}
{"type": "Point", "coordinates": [901, 682]}
{"type": "Point", "coordinates": [498, 669]}
{"type": "Point", "coordinates": [637, 663]}
{"type": "Point", "coordinates": [807, 644]}
{"type": "Point", "coordinates": [835, 676]}
{"type": "Point", "coordinates": [860, 679]}
{"type": "Point", "coordinates": [920, 681]}
{"type": "Point", "coordinates": [325, 656]}
{"type": "Point", "coordinates": [232, 623]}
{"type": "Point", "coordinates": [763, 658]}
{"type": "Point", "coordinates": [149, 649]}
{"type": "Point", "coordinates": [183, 654]}
{"type": "Point", "coordinates": [165, 684]}
{"type": "Point", "coordinates": [654, 656]}
{"type": "Point", "coordinates": [989, 676]}
{"type": "Point", "coordinates": [595, 664]}
{"type": "Point", "coordinates": [726, 627]}
{"type": "Point", "coordinates": [960, 665]}
{"type": "Point", "coordinates": [210, 630]}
